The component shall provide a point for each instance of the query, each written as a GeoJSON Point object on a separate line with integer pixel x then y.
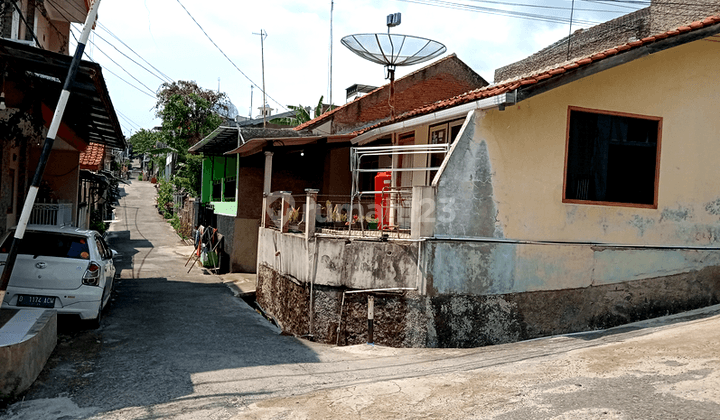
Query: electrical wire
{"type": "Point", "coordinates": [501, 12]}
{"type": "Point", "coordinates": [128, 57]}
{"type": "Point", "coordinates": [116, 63]}
{"type": "Point", "coordinates": [228, 58]}
{"type": "Point", "coordinates": [164, 77]}
{"type": "Point", "coordinates": [106, 29]}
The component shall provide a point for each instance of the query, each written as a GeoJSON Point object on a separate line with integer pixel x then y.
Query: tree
{"type": "Point", "coordinates": [188, 113]}
{"type": "Point", "coordinates": [301, 115]}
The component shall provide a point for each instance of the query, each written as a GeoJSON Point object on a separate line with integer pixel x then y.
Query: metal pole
{"type": "Point", "coordinates": [330, 100]}
{"type": "Point", "coordinates": [263, 35]}
{"type": "Point", "coordinates": [47, 149]}
{"type": "Point", "coordinates": [371, 317]}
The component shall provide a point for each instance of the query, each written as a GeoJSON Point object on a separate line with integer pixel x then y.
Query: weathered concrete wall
{"type": "Point", "coordinates": [466, 320]}
{"type": "Point", "coordinates": [21, 362]}
{"type": "Point", "coordinates": [245, 246]}
{"type": "Point", "coordinates": [400, 318]}
{"type": "Point", "coordinates": [488, 268]}
{"type": "Point", "coordinates": [465, 200]}
{"type": "Point", "coordinates": [352, 263]}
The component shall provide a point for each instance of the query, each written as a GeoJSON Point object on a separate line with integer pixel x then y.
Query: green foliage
{"type": "Point", "coordinates": [165, 198]}
{"type": "Point", "coordinates": [96, 222]}
{"type": "Point", "coordinates": [301, 115]}
{"type": "Point", "coordinates": [145, 141]}
{"type": "Point", "coordinates": [188, 113]}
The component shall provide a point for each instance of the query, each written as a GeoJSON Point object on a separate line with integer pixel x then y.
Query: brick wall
{"type": "Point", "coordinates": [669, 14]}
{"type": "Point", "coordinates": [661, 16]}
{"type": "Point", "coordinates": [583, 42]}
{"type": "Point", "coordinates": [442, 79]}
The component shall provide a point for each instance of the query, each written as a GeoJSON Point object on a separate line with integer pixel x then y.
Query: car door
{"type": "Point", "coordinates": [107, 264]}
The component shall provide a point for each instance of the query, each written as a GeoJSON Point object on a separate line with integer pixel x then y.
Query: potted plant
{"type": "Point", "coordinates": [338, 218]}
{"type": "Point", "coordinates": [371, 222]}
{"type": "Point", "coordinates": [293, 219]}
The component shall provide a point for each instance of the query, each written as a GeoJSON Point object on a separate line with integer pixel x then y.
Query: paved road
{"type": "Point", "coordinates": [181, 346]}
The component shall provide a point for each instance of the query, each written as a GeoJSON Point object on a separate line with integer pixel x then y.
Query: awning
{"type": "Point", "coordinates": [38, 74]}
{"type": "Point", "coordinates": [256, 145]}
{"type": "Point", "coordinates": [246, 141]}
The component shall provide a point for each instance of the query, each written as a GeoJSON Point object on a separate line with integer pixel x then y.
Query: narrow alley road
{"type": "Point", "coordinates": [175, 345]}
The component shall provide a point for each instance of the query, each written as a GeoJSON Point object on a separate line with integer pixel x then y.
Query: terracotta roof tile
{"type": "Point", "coordinates": [503, 87]}
{"type": "Point", "coordinates": [92, 157]}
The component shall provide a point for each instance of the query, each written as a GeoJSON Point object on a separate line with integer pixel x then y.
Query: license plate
{"type": "Point", "coordinates": [36, 301]}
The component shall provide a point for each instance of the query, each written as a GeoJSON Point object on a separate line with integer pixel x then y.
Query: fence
{"type": "Point", "coordinates": [56, 214]}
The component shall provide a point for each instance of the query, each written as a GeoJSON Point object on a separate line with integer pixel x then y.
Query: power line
{"type": "Point", "coordinates": [126, 56]}
{"type": "Point", "coordinates": [499, 12]}
{"type": "Point", "coordinates": [228, 58]}
{"type": "Point", "coordinates": [105, 28]}
{"type": "Point", "coordinates": [121, 67]}
{"type": "Point", "coordinates": [164, 78]}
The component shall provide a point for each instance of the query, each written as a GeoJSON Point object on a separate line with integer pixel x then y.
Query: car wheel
{"type": "Point", "coordinates": [95, 323]}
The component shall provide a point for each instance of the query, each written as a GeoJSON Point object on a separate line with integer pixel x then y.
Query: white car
{"type": "Point", "coordinates": [64, 268]}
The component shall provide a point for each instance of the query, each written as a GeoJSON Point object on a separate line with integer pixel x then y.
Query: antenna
{"type": "Point", "coordinates": [332, 4]}
{"type": "Point", "coordinates": [392, 50]}
{"type": "Point", "coordinates": [263, 35]}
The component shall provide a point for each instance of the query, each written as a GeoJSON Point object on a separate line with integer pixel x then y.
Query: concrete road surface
{"type": "Point", "coordinates": [181, 346]}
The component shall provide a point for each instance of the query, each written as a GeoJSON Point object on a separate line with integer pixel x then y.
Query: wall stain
{"type": "Point", "coordinates": [641, 224]}
{"type": "Point", "coordinates": [713, 207]}
{"type": "Point", "coordinates": [681, 214]}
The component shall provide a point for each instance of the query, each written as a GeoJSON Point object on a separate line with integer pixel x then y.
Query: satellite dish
{"type": "Point", "coordinates": [392, 50]}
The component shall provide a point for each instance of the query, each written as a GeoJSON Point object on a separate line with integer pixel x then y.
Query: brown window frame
{"type": "Point", "coordinates": [659, 121]}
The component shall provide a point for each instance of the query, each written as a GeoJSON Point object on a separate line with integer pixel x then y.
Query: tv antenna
{"type": "Point", "coordinates": [392, 50]}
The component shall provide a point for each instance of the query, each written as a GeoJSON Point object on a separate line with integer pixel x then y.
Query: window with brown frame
{"type": "Point", "coordinates": [612, 158]}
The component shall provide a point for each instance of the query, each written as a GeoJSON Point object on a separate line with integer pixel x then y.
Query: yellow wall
{"type": "Point", "coordinates": [526, 145]}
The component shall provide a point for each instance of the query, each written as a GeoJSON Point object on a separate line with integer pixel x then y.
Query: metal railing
{"type": "Point", "coordinates": [56, 214]}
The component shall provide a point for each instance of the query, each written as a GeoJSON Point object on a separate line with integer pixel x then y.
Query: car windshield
{"type": "Point", "coordinates": [50, 244]}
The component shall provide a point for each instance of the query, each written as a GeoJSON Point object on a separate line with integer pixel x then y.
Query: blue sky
{"type": "Point", "coordinates": [298, 43]}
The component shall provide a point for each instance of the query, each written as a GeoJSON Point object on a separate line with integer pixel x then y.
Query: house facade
{"type": "Point", "coordinates": [33, 65]}
{"type": "Point", "coordinates": [574, 195]}
{"type": "Point", "coordinates": [266, 164]}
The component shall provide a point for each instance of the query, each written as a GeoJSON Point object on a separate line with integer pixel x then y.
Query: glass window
{"type": "Point", "coordinates": [611, 158]}
{"type": "Point", "coordinates": [50, 244]}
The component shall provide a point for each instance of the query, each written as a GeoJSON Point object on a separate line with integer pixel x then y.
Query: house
{"type": "Point", "coordinates": [33, 65]}
{"type": "Point", "coordinates": [243, 164]}
{"type": "Point", "coordinates": [577, 193]}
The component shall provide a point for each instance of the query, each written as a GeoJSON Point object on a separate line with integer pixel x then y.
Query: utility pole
{"type": "Point", "coordinates": [263, 35]}
{"type": "Point", "coordinates": [47, 149]}
{"type": "Point", "coordinates": [332, 3]}
{"type": "Point", "coordinates": [251, 93]}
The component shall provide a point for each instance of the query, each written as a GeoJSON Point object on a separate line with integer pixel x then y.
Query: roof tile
{"type": "Point", "coordinates": [494, 90]}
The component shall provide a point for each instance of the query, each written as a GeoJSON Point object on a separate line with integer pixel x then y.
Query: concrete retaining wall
{"type": "Point", "coordinates": [22, 360]}
{"type": "Point", "coordinates": [477, 293]}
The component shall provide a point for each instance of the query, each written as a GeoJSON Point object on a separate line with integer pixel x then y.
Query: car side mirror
{"type": "Point", "coordinates": [114, 253]}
